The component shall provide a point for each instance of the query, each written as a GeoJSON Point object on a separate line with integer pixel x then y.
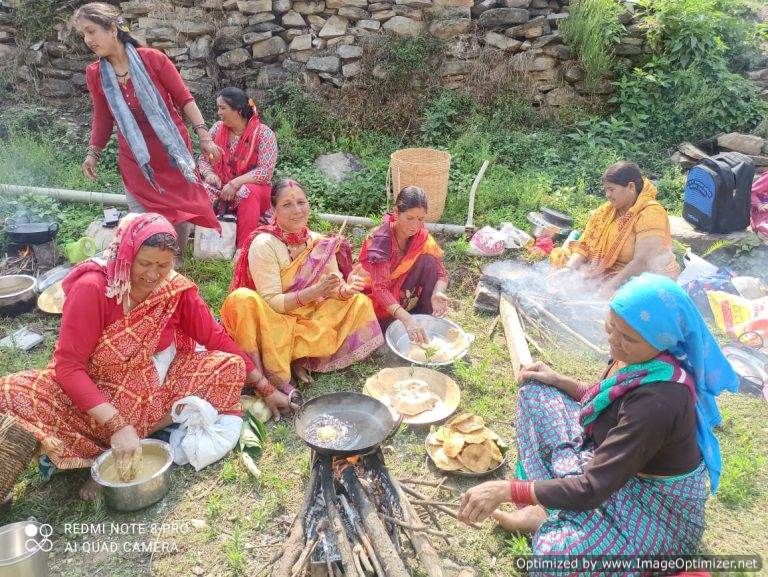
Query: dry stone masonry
{"type": "Point", "coordinates": [260, 43]}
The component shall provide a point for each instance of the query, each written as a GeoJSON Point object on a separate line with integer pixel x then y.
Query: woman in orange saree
{"type": "Point", "coordinates": [126, 353]}
{"type": "Point", "coordinates": [403, 265]}
{"type": "Point", "coordinates": [626, 236]}
{"type": "Point", "coordinates": [289, 301]}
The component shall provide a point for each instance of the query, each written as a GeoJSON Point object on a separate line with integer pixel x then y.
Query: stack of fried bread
{"type": "Point", "coordinates": [464, 443]}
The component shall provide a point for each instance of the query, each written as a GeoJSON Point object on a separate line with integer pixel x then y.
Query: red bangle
{"type": "Point", "coordinates": [114, 424]}
{"type": "Point", "coordinates": [520, 492]}
{"type": "Point", "coordinates": [264, 388]}
{"type": "Point", "coordinates": [298, 299]}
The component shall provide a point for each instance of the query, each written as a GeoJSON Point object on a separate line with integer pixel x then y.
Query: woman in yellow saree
{"type": "Point", "coordinates": [626, 236]}
{"type": "Point", "coordinates": [289, 302]}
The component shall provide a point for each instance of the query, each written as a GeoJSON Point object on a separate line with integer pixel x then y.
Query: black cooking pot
{"type": "Point", "coordinates": [556, 217]}
{"type": "Point", "coordinates": [31, 232]}
{"type": "Point", "coordinates": [365, 422]}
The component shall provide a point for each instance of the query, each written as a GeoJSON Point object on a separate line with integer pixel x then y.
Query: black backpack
{"type": "Point", "coordinates": [717, 193]}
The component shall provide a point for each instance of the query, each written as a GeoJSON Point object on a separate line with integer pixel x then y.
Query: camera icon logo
{"type": "Point", "coordinates": [39, 537]}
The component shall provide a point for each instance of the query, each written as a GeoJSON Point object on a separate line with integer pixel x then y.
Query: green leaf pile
{"type": "Point", "coordinates": [251, 442]}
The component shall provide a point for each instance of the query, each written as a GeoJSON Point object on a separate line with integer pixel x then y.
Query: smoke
{"type": "Point", "coordinates": [559, 304]}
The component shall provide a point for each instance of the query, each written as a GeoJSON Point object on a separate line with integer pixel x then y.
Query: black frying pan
{"type": "Point", "coordinates": [365, 423]}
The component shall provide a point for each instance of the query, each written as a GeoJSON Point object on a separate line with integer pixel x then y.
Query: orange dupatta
{"type": "Point", "coordinates": [601, 247]}
{"type": "Point", "coordinates": [378, 248]}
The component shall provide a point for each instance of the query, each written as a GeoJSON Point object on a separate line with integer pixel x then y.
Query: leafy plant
{"type": "Point", "coordinates": [592, 30]}
{"type": "Point", "coordinates": [402, 56]}
{"type": "Point", "coordinates": [445, 116]}
{"type": "Point", "coordinates": [698, 31]}
{"type": "Point", "coordinates": [251, 442]}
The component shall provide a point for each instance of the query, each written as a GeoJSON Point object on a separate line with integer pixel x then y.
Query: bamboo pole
{"type": "Point", "coordinates": [472, 191]}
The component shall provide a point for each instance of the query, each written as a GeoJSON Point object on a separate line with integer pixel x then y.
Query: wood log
{"type": "Point", "coordinates": [385, 550]}
{"type": "Point", "coordinates": [306, 554]}
{"type": "Point", "coordinates": [334, 521]}
{"type": "Point", "coordinates": [440, 508]}
{"type": "Point", "coordinates": [426, 482]}
{"type": "Point", "coordinates": [415, 527]}
{"type": "Point", "coordinates": [295, 542]}
{"type": "Point", "coordinates": [366, 543]}
{"type": "Point", "coordinates": [519, 354]}
{"type": "Point", "coordinates": [426, 553]}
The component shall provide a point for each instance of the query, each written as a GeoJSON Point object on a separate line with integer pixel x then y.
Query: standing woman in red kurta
{"type": "Point", "coordinates": [140, 90]}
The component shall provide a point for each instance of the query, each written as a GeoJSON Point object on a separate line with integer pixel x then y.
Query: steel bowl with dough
{"type": "Point", "coordinates": [380, 386]}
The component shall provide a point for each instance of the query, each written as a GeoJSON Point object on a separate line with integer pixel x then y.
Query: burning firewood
{"type": "Point", "coordinates": [382, 543]}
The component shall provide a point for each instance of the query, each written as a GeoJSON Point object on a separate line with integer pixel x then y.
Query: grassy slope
{"type": "Point", "coordinates": [245, 519]}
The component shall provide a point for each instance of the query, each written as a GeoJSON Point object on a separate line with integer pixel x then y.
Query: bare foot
{"type": "Point", "coordinates": [526, 520]}
{"type": "Point", "coordinates": [301, 372]}
{"type": "Point", "coordinates": [90, 490]}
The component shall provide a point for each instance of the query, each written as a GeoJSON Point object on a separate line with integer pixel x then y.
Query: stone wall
{"type": "Point", "coordinates": [259, 43]}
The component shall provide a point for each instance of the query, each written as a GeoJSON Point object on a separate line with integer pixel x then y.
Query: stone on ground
{"type": "Point", "coordinates": [339, 166]}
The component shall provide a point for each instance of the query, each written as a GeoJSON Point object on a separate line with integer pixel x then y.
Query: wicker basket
{"type": "Point", "coordinates": [17, 446]}
{"type": "Point", "coordinates": [423, 167]}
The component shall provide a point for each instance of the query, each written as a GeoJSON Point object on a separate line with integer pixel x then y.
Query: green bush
{"type": "Point", "coordinates": [402, 56]}
{"type": "Point", "coordinates": [592, 30]}
{"type": "Point", "coordinates": [707, 32]}
{"type": "Point", "coordinates": [445, 116]}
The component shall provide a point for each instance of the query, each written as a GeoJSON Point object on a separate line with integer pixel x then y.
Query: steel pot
{"type": "Point", "coordinates": [24, 548]}
{"type": "Point", "coordinates": [398, 341]}
{"type": "Point", "coordinates": [31, 232]}
{"type": "Point", "coordinates": [17, 294]}
{"type": "Point", "coordinates": [540, 226]}
{"type": "Point", "coordinates": [136, 495]}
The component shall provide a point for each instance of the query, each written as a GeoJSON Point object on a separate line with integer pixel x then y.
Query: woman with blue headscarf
{"type": "Point", "coordinates": [620, 467]}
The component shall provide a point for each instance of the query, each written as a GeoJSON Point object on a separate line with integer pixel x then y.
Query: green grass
{"type": "Point", "coordinates": [246, 519]}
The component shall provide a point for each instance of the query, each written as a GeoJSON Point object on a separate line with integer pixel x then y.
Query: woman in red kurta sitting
{"type": "Point", "coordinates": [406, 275]}
{"type": "Point", "coordinates": [141, 91]}
{"type": "Point", "coordinates": [126, 353]}
{"type": "Point", "coordinates": [239, 182]}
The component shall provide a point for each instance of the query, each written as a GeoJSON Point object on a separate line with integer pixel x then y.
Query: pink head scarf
{"type": "Point", "coordinates": [132, 232]}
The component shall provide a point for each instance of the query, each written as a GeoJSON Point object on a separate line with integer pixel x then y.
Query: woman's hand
{"type": "Point", "coordinates": [90, 165]}
{"type": "Point", "coordinates": [415, 332]}
{"type": "Point", "coordinates": [327, 286]}
{"type": "Point", "coordinates": [539, 372]}
{"type": "Point", "coordinates": [439, 303]}
{"type": "Point", "coordinates": [278, 403]}
{"type": "Point", "coordinates": [480, 501]}
{"type": "Point", "coordinates": [212, 179]}
{"type": "Point", "coordinates": [125, 443]}
{"type": "Point", "coordinates": [211, 150]}
{"type": "Point", "coordinates": [228, 191]}
{"type": "Point", "coordinates": [355, 285]}
{"type": "Point", "coordinates": [763, 207]}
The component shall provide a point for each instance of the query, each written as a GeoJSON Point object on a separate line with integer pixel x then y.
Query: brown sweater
{"type": "Point", "coordinates": [650, 430]}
